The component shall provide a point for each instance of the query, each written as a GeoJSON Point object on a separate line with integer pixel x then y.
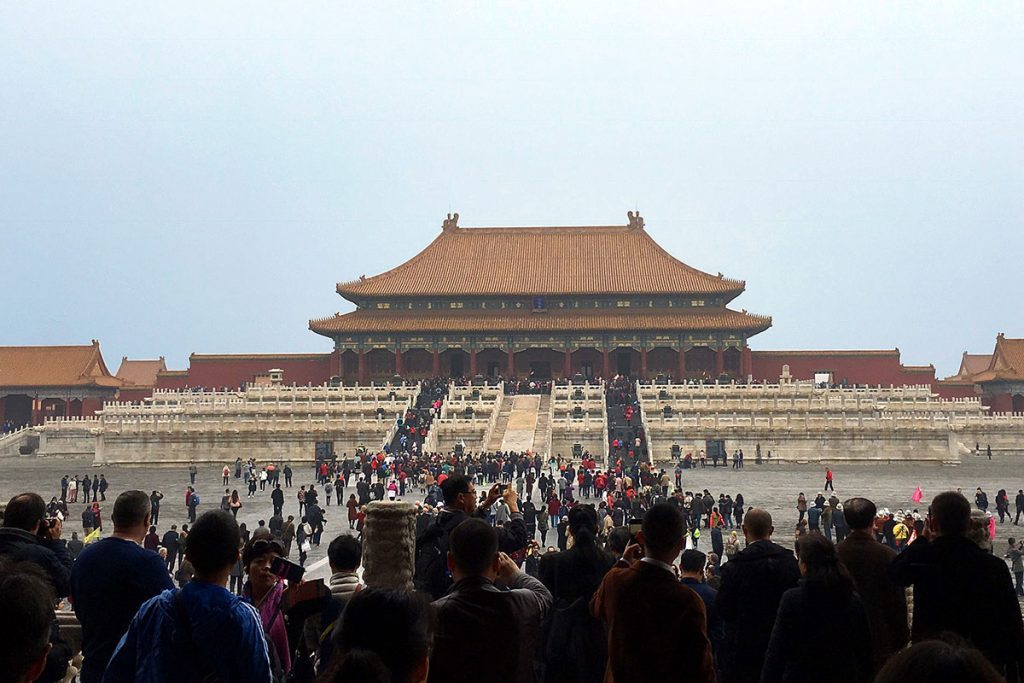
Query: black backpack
{"type": "Point", "coordinates": [432, 561]}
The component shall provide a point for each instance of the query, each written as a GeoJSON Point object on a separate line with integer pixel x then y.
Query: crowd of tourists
{"type": "Point", "coordinates": [635, 602]}
{"type": "Point", "coordinates": [642, 580]}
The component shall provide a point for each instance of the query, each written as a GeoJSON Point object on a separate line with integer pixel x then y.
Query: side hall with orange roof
{"type": "Point", "coordinates": [138, 377]}
{"type": "Point", "coordinates": [1002, 383]}
{"type": "Point", "coordinates": [37, 382]}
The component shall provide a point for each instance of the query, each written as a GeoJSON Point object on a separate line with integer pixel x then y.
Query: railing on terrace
{"type": "Point", "coordinates": [660, 423]}
{"type": "Point", "coordinates": [256, 408]}
{"type": "Point", "coordinates": [645, 388]}
{"type": "Point", "coordinates": [292, 423]}
{"type": "Point", "coordinates": [586, 422]}
{"type": "Point", "coordinates": [565, 392]}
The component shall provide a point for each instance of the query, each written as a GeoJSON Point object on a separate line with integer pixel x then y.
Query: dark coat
{"type": "Point", "coordinates": [575, 647]}
{"type": "Point", "coordinates": [50, 556]}
{"type": "Point", "coordinates": [792, 657]}
{"type": "Point", "coordinates": [657, 627]}
{"type": "Point", "coordinates": [884, 601]}
{"type": "Point", "coordinates": [574, 573]}
{"type": "Point", "coordinates": [753, 582]}
{"type": "Point", "coordinates": [481, 627]}
{"type": "Point", "coordinates": [961, 588]}
{"type": "Point", "coordinates": [710, 596]}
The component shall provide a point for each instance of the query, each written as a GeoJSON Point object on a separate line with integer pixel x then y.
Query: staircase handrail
{"type": "Point", "coordinates": [548, 439]}
{"type": "Point", "coordinates": [604, 419]}
{"type": "Point", "coordinates": [643, 424]}
{"type": "Point", "coordinates": [493, 421]}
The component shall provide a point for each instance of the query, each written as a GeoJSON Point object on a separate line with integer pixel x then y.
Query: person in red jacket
{"type": "Point", "coordinates": [553, 507]}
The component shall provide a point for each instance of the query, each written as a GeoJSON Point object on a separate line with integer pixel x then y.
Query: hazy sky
{"type": "Point", "coordinates": [183, 177]}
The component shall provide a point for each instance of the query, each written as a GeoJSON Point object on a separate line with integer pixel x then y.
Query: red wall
{"type": "Point", "coordinates": [134, 395]}
{"type": "Point", "coordinates": [1000, 403]}
{"type": "Point", "coordinates": [856, 367]}
{"type": "Point", "coordinates": [215, 372]}
{"type": "Point", "coordinates": [949, 391]}
{"type": "Point", "coordinates": [172, 380]}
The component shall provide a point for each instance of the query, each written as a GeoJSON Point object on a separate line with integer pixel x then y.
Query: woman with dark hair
{"type": "Point", "coordinates": [949, 660]}
{"type": "Point", "coordinates": [824, 603]}
{"type": "Point", "coordinates": [575, 645]}
{"type": "Point", "coordinates": [383, 636]}
{"type": "Point", "coordinates": [265, 591]}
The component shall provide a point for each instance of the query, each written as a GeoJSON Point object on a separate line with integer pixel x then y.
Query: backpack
{"type": "Point", "coordinates": [432, 561]}
{"type": "Point", "coordinates": [195, 500]}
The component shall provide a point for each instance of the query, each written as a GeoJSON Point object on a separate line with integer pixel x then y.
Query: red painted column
{"type": "Point", "coordinates": [436, 368]}
{"type": "Point", "coordinates": [681, 357]}
{"type": "Point", "coordinates": [567, 369]}
{"type": "Point", "coordinates": [643, 363]}
{"type": "Point", "coordinates": [398, 361]}
{"type": "Point", "coordinates": [511, 362]}
{"type": "Point", "coordinates": [606, 358]}
{"type": "Point", "coordinates": [37, 411]}
{"type": "Point", "coordinates": [746, 362]}
{"type": "Point", "coordinates": [472, 362]}
{"type": "Point", "coordinates": [719, 362]}
{"type": "Point", "coordinates": [361, 375]}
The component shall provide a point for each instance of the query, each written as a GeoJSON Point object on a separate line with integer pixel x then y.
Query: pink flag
{"type": "Point", "coordinates": [918, 495]}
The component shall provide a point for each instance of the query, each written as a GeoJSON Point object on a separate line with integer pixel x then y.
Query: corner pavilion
{"type": "Point", "coordinates": [546, 302]}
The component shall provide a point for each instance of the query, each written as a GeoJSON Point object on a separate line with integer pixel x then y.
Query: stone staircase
{"type": "Point", "coordinates": [542, 432]}
{"type": "Point", "coordinates": [12, 443]}
{"type": "Point", "coordinates": [501, 424]}
{"type": "Point", "coordinates": [522, 423]}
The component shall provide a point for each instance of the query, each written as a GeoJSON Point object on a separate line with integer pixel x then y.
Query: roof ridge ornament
{"type": "Point", "coordinates": [636, 221]}
{"type": "Point", "coordinates": [450, 223]}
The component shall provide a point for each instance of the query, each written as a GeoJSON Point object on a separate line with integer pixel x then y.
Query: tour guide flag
{"type": "Point", "coordinates": [93, 535]}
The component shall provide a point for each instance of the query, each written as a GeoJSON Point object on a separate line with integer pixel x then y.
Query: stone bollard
{"type": "Point", "coordinates": [389, 545]}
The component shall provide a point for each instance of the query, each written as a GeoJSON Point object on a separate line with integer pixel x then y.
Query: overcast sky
{"type": "Point", "coordinates": [198, 176]}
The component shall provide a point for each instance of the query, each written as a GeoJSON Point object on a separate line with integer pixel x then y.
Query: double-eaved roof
{"type": "Point", "coordinates": [560, 263]}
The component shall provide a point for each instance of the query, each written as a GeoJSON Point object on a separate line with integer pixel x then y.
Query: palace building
{"type": "Point", "coordinates": [543, 302]}
{"type": "Point", "coordinates": [37, 382]}
{"type": "Point", "coordinates": [580, 303]}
